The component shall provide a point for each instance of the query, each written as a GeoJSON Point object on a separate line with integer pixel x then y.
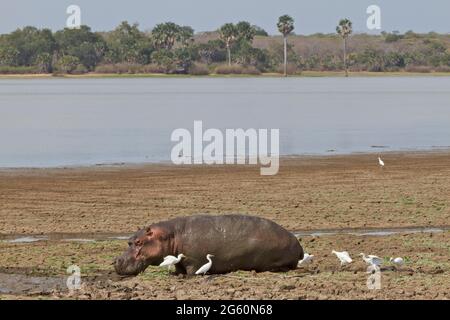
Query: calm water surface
{"type": "Point", "coordinates": [58, 122]}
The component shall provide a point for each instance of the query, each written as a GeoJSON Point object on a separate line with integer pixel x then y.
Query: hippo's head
{"type": "Point", "coordinates": [146, 247]}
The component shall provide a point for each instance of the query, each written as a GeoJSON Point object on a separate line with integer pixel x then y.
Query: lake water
{"type": "Point", "coordinates": [59, 122]}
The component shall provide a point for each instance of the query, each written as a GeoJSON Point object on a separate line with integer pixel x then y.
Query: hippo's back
{"type": "Point", "coordinates": [238, 242]}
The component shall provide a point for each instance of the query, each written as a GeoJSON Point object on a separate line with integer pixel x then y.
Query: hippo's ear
{"type": "Point", "coordinates": [158, 232]}
{"type": "Point", "coordinates": [149, 231]}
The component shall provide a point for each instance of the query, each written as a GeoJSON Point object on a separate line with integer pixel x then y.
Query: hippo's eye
{"type": "Point", "coordinates": [138, 243]}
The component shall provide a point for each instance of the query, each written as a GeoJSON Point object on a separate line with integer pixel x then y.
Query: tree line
{"type": "Point", "coordinates": [233, 48]}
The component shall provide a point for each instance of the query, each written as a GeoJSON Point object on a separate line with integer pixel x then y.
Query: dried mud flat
{"type": "Point", "coordinates": [309, 193]}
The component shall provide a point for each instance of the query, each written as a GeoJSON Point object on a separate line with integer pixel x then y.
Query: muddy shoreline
{"type": "Point", "coordinates": [425, 275]}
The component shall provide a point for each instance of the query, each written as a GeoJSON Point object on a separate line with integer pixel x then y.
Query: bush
{"type": "Point", "coordinates": [198, 70]}
{"type": "Point", "coordinates": [251, 70]}
{"type": "Point", "coordinates": [19, 70]}
{"type": "Point", "coordinates": [291, 69]}
{"type": "Point", "coordinates": [237, 69]}
{"type": "Point", "coordinates": [44, 61]}
{"type": "Point", "coordinates": [442, 69]}
{"type": "Point", "coordinates": [393, 37]}
{"type": "Point", "coordinates": [226, 69]}
{"type": "Point", "coordinates": [152, 68]}
{"type": "Point", "coordinates": [80, 69]}
{"type": "Point", "coordinates": [393, 69]}
{"type": "Point", "coordinates": [418, 69]}
{"type": "Point", "coordinates": [67, 64]}
{"type": "Point", "coordinates": [164, 59]}
{"type": "Point", "coordinates": [119, 68]}
{"type": "Point", "coordinates": [105, 68]}
{"type": "Point", "coordinates": [127, 68]}
{"type": "Point", "coordinates": [9, 56]}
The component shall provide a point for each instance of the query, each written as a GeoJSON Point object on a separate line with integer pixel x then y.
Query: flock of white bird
{"type": "Point", "coordinates": [171, 261]}
{"type": "Point", "coordinates": [343, 256]}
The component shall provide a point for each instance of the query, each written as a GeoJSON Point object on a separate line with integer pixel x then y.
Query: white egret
{"type": "Point", "coordinates": [170, 261]}
{"type": "Point", "coordinates": [380, 162]}
{"type": "Point", "coordinates": [307, 259]}
{"type": "Point", "coordinates": [371, 259]}
{"type": "Point", "coordinates": [205, 268]}
{"type": "Point", "coordinates": [397, 261]}
{"type": "Point", "coordinates": [343, 256]}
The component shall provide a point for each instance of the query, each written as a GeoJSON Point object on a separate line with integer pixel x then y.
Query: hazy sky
{"type": "Point", "coordinates": [310, 15]}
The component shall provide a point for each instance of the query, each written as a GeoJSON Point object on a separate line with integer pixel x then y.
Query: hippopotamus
{"type": "Point", "coordinates": [237, 242]}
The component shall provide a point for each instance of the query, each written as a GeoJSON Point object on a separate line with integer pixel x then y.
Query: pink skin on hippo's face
{"type": "Point", "coordinates": [145, 248]}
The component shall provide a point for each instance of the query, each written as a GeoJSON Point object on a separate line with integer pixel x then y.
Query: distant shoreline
{"type": "Point", "coordinates": [305, 74]}
{"type": "Point", "coordinates": [444, 151]}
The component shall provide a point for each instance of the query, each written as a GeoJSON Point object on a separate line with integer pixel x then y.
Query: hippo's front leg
{"type": "Point", "coordinates": [179, 269]}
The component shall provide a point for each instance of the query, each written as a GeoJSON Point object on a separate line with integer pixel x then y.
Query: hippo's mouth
{"type": "Point", "coordinates": [129, 266]}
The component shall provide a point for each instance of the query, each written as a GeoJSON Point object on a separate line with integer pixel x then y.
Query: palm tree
{"type": "Point", "coordinates": [228, 33]}
{"type": "Point", "coordinates": [344, 29]}
{"type": "Point", "coordinates": [285, 26]}
{"type": "Point", "coordinates": [165, 34]}
{"type": "Point", "coordinates": [245, 31]}
{"type": "Point", "coordinates": [186, 35]}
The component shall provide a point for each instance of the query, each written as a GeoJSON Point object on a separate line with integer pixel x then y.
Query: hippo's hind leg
{"type": "Point", "coordinates": [191, 269]}
{"type": "Point", "coordinates": [179, 269]}
{"type": "Point", "coordinates": [281, 269]}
